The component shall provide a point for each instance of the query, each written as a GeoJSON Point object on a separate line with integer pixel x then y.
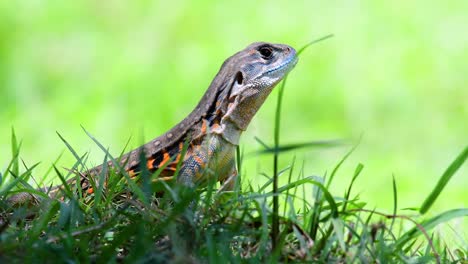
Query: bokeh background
{"type": "Point", "coordinates": [395, 73]}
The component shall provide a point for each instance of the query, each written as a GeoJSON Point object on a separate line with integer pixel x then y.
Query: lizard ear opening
{"type": "Point", "coordinates": [239, 79]}
{"type": "Point", "coordinates": [237, 85]}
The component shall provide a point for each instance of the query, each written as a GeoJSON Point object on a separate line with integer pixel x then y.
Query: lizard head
{"type": "Point", "coordinates": [256, 70]}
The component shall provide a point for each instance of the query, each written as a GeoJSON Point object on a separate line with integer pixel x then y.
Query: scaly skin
{"type": "Point", "coordinates": [212, 129]}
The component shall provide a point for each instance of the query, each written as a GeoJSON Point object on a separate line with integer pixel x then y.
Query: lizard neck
{"type": "Point", "coordinates": [228, 131]}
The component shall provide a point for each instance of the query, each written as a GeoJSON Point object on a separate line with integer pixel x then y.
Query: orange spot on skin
{"type": "Point", "coordinates": [149, 164]}
{"type": "Point", "coordinates": [166, 158]}
{"type": "Point", "coordinates": [198, 160]}
{"type": "Point", "coordinates": [131, 173]}
{"type": "Point", "coordinates": [203, 128]}
{"type": "Point", "coordinates": [178, 158]}
{"type": "Point", "coordinates": [171, 168]}
{"type": "Point", "coordinates": [215, 126]}
{"type": "Point", "coordinates": [90, 190]}
{"type": "Point", "coordinates": [170, 178]}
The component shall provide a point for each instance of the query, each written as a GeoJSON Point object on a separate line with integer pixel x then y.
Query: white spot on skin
{"type": "Point", "coordinates": [169, 135]}
{"type": "Point", "coordinates": [157, 143]}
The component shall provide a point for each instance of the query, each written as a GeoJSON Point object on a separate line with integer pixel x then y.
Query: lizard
{"type": "Point", "coordinates": [212, 130]}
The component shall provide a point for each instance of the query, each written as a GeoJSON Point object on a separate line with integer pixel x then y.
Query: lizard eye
{"type": "Point", "coordinates": [266, 52]}
{"type": "Point", "coordinates": [239, 78]}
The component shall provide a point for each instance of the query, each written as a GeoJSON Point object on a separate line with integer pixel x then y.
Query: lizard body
{"type": "Point", "coordinates": [213, 128]}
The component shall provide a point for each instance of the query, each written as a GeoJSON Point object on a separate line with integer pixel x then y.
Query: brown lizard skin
{"type": "Point", "coordinates": [212, 129]}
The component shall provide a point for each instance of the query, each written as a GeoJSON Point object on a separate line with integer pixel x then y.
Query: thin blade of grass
{"type": "Point", "coordinates": [14, 162]}
{"type": "Point", "coordinates": [14, 152]}
{"type": "Point", "coordinates": [270, 180]}
{"type": "Point", "coordinates": [327, 195]}
{"type": "Point", "coordinates": [21, 179]}
{"type": "Point", "coordinates": [262, 143]}
{"type": "Point", "coordinates": [31, 191]}
{"type": "Point", "coordinates": [66, 188]}
{"type": "Point", "coordinates": [49, 170]}
{"type": "Point", "coordinates": [348, 192]}
{"type": "Point", "coordinates": [313, 42]}
{"type": "Point", "coordinates": [444, 179]}
{"type": "Point", "coordinates": [335, 170]}
{"type": "Point", "coordinates": [73, 152]}
{"type": "Point", "coordinates": [275, 221]}
{"type": "Point", "coordinates": [295, 146]}
{"type": "Point", "coordinates": [318, 201]}
{"type": "Point", "coordinates": [395, 202]}
{"type": "Point", "coordinates": [133, 186]}
{"type": "Point", "coordinates": [239, 161]}
{"type": "Point", "coordinates": [289, 181]}
{"type": "Point", "coordinates": [429, 224]}
{"type": "Point", "coordinates": [338, 227]}
{"type": "Point", "coordinates": [43, 221]}
{"type": "Point", "coordinates": [102, 178]}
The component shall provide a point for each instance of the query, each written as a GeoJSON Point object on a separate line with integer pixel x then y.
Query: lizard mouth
{"type": "Point", "coordinates": [286, 66]}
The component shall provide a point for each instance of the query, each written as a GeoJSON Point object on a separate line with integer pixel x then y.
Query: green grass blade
{"type": "Point", "coordinates": [295, 146]}
{"type": "Point", "coordinates": [14, 152]}
{"type": "Point", "coordinates": [43, 221]}
{"type": "Point", "coordinates": [133, 186]}
{"type": "Point", "coordinates": [335, 170]}
{"type": "Point", "coordinates": [66, 187]}
{"type": "Point", "coordinates": [21, 179]}
{"type": "Point", "coordinates": [348, 192]}
{"type": "Point", "coordinates": [262, 143]}
{"type": "Point", "coordinates": [313, 42]}
{"type": "Point", "coordinates": [289, 181]}
{"type": "Point", "coordinates": [101, 181]}
{"type": "Point", "coordinates": [449, 172]}
{"type": "Point", "coordinates": [275, 216]}
{"type": "Point", "coordinates": [338, 227]}
{"type": "Point", "coordinates": [395, 201]}
{"type": "Point", "coordinates": [327, 195]}
{"type": "Point", "coordinates": [77, 157]}
{"type": "Point", "coordinates": [429, 224]}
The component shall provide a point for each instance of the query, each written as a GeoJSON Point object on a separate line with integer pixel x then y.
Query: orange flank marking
{"type": "Point", "coordinates": [169, 169]}
{"type": "Point", "coordinates": [149, 164]}
{"type": "Point", "coordinates": [178, 158]}
{"type": "Point", "coordinates": [169, 178]}
{"type": "Point", "coordinates": [166, 158]}
{"type": "Point", "coordinates": [90, 190]}
{"type": "Point", "coordinates": [215, 126]}
{"type": "Point", "coordinates": [203, 127]}
{"type": "Point", "coordinates": [131, 173]}
{"type": "Point", "coordinates": [198, 160]}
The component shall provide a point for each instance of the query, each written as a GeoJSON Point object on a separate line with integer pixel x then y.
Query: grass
{"type": "Point", "coordinates": [393, 72]}
{"type": "Point", "coordinates": [126, 222]}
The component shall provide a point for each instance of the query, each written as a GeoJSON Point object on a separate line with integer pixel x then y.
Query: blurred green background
{"type": "Point", "coordinates": [396, 72]}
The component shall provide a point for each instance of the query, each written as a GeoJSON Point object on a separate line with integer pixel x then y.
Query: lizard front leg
{"type": "Point", "coordinates": [229, 183]}
{"type": "Point", "coordinates": [213, 159]}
